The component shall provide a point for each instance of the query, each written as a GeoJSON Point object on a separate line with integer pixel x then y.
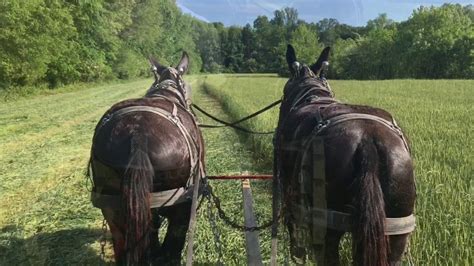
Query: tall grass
{"type": "Point", "coordinates": [436, 116]}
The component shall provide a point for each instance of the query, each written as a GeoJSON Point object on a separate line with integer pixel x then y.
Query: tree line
{"type": "Point", "coordinates": [59, 42]}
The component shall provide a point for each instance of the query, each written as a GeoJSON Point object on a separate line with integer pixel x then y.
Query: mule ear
{"type": "Point", "coordinates": [156, 67]}
{"type": "Point", "coordinates": [324, 56]}
{"type": "Point", "coordinates": [290, 57]}
{"type": "Point", "coordinates": [182, 67]}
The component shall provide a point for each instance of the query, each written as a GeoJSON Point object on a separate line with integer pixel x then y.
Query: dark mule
{"type": "Point", "coordinates": [342, 168]}
{"type": "Point", "coordinates": [145, 155]}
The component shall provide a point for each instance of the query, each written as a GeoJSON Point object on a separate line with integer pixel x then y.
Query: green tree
{"type": "Point", "coordinates": [432, 39]}
{"type": "Point", "coordinates": [305, 41]}
{"type": "Point", "coordinates": [381, 22]}
{"type": "Point", "coordinates": [33, 34]}
{"type": "Point", "coordinates": [206, 38]}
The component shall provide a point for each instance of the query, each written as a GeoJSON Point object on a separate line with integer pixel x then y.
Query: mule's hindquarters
{"type": "Point", "coordinates": [384, 188]}
{"type": "Point", "coordinates": [130, 219]}
{"type": "Point", "coordinates": [367, 177]}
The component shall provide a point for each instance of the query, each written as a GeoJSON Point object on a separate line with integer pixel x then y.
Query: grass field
{"type": "Point", "coordinates": [437, 118]}
{"type": "Point", "coordinates": [46, 216]}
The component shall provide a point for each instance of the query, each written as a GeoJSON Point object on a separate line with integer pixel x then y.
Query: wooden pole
{"type": "Point", "coordinates": [254, 257]}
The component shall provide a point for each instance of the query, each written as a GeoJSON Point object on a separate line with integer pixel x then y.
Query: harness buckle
{"type": "Point", "coordinates": [106, 119]}
{"type": "Point", "coordinates": [321, 125]}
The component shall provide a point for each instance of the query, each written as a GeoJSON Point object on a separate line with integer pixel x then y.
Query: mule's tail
{"type": "Point", "coordinates": [369, 242]}
{"type": "Point", "coordinates": [136, 186]}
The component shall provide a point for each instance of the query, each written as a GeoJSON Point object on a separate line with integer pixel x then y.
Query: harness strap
{"type": "Point", "coordinates": [342, 221]}
{"type": "Point", "coordinates": [157, 199]}
{"type": "Point", "coordinates": [314, 98]}
{"type": "Point", "coordinates": [160, 96]}
{"type": "Point", "coordinates": [325, 124]}
{"type": "Point", "coordinates": [357, 116]}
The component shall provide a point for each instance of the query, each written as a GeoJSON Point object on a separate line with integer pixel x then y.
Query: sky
{"type": "Point", "coordinates": [352, 12]}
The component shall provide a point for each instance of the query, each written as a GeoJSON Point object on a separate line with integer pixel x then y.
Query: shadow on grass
{"type": "Point", "coordinates": [65, 247]}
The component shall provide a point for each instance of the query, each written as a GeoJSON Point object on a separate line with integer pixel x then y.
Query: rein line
{"type": "Point", "coordinates": [234, 124]}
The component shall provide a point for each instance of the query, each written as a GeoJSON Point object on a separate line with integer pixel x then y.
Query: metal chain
{"type": "Point", "coordinates": [233, 224]}
{"type": "Point", "coordinates": [103, 240]}
{"type": "Point", "coordinates": [215, 231]}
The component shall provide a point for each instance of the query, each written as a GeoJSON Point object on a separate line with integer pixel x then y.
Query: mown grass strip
{"type": "Point", "coordinates": [45, 200]}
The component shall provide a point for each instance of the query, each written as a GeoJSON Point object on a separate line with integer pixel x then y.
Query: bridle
{"type": "Point", "coordinates": [303, 86]}
{"type": "Point", "coordinates": [169, 84]}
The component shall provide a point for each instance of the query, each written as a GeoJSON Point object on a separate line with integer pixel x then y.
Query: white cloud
{"type": "Point", "coordinates": [190, 12]}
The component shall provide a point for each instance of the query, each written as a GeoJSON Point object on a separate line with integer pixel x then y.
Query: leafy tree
{"type": "Point", "coordinates": [59, 42]}
{"type": "Point", "coordinates": [206, 38]}
{"type": "Point", "coordinates": [305, 41]}
{"type": "Point", "coordinates": [249, 49]}
{"type": "Point", "coordinates": [232, 49]}
{"type": "Point", "coordinates": [32, 34]}
{"type": "Point", "coordinates": [342, 53]}
{"type": "Point", "coordinates": [432, 39]}
{"type": "Point", "coordinates": [381, 22]}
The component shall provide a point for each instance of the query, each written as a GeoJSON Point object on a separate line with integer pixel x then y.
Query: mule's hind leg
{"type": "Point", "coordinates": [298, 254]}
{"type": "Point", "coordinates": [330, 255]}
{"type": "Point", "coordinates": [116, 223]}
{"type": "Point", "coordinates": [154, 234]}
{"type": "Point", "coordinates": [333, 239]}
{"type": "Point", "coordinates": [178, 221]}
{"type": "Point", "coordinates": [398, 245]}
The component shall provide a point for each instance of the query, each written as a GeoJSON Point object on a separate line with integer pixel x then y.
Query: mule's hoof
{"type": "Point", "coordinates": [298, 255]}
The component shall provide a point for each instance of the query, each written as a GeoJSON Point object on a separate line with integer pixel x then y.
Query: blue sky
{"type": "Point", "coordinates": [353, 12]}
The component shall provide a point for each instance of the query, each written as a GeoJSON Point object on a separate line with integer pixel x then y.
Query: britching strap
{"type": "Point", "coordinates": [343, 222]}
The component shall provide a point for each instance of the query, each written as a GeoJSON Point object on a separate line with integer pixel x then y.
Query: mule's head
{"type": "Point", "coordinates": [171, 78]}
{"type": "Point", "coordinates": [301, 72]}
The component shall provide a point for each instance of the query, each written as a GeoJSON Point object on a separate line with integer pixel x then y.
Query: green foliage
{"type": "Point", "coordinates": [433, 43]}
{"type": "Point", "coordinates": [433, 38]}
{"type": "Point", "coordinates": [130, 64]}
{"type": "Point", "coordinates": [340, 59]}
{"type": "Point", "coordinates": [33, 35]}
{"type": "Point", "coordinates": [207, 40]}
{"type": "Point", "coordinates": [60, 42]}
{"type": "Point", "coordinates": [305, 41]}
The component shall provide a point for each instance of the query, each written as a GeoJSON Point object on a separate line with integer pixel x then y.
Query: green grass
{"type": "Point", "coordinates": [45, 213]}
{"type": "Point", "coordinates": [436, 116]}
{"type": "Point", "coordinates": [21, 93]}
{"type": "Point", "coordinates": [46, 216]}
